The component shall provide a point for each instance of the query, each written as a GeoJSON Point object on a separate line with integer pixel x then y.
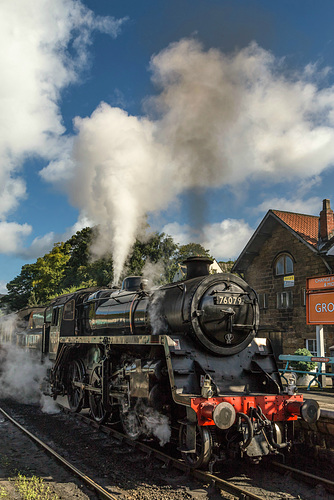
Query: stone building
{"type": "Point", "coordinates": [286, 249]}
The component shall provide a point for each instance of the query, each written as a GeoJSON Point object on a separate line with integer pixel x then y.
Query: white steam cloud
{"type": "Point", "coordinates": [217, 120]}
{"type": "Point", "coordinates": [157, 320]}
{"type": "Point", "coordinates": [157, 425]}
{"type": "Point", "coordinates": [21, 375]}
{"type": "Point", "coordinates": [44, 50]}
{"type": "Point", "coordinates": [21, 370]}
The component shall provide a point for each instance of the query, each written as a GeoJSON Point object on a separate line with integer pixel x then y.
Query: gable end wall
{"type": "Point", "coordinates": [289, 325]}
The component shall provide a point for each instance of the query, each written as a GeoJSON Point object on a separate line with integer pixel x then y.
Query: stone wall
{"type": "Point", "coordinates": [286, 327]}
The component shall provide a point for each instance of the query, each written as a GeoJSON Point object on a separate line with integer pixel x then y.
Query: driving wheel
{"type": "Point", "coordinates": [75, 394]}
{"type": "Point", "coordinates": [97, 409]}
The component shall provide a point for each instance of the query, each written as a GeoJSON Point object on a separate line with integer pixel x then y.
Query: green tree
{"type": "Point", "coordinates": [20, 289]}
{"type": "Point", "coordinates": [77, 270]}
{"type": "Point", "coordinates": [80, 270]}
{"type": "Point", "coordinates": [50, 271]}
{"type": "Point", "coordinates": [158, 248]}
{"type": "Point", "coordinates": [68, 266]}
{"type": "Point", "coordinates": [226, 266]}
{"type": "Point", "coordinates": [182, 253]}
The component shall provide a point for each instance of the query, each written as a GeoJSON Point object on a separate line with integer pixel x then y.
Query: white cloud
{"type": "Point", "coordinates": [310, 206]}
{"type": "Point", "coordinates": [44, 50]}
{"type": "Point", "coordinates": [12, 191]}
{"type": "Point", "coordinates": [181, 233]}
{"type": "Point", "coordinates": [43, 244]}
{"type": "Point", "coordinates": [224, 239]}
{"type": "Point", "coordinates": [11, 236]}
{"type": "Point", "coordinates": [39, 246]}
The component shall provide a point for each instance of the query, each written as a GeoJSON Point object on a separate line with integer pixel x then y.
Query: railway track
{"type": "Point", "coordinates": [202, 476]}
{"type": "Point", "coordinates": [99, 490]}
{"type": "Point", "coordinates": [308, 478]}
{"type": "Point", "coordinates": [205, 476]}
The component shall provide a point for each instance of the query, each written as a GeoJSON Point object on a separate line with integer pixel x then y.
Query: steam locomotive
{"type": "Point", "coordinates": [185, 351]}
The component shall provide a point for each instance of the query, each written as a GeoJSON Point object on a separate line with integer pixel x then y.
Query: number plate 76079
{"type": "Point", "coordinates": [232, 300]}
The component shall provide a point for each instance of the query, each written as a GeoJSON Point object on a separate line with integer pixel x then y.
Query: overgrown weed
{"type": "Point", "coordinates": [33, 488]}
{"type": "Point", "coordinates": [30, 487]}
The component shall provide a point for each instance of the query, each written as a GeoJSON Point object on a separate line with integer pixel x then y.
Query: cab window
{"type": "Point", "coordinates": [69, 309]}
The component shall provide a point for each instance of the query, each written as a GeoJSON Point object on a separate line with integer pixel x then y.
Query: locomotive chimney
{"type": "Point", "coordinates": [326, 222]}
{"type": "Point", "coordinates": [134, 284]}
{"type": "Point", "coordinates": [197, 266]}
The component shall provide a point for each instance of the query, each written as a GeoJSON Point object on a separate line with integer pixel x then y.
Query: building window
{"type": "Point", "coordinates": [283, 265]}
{"type": "Point", "coordinates": [311, 345]}
{"type": "Point", "coordinates": [263, 300]}
{"type": "Point", "coordinates": [284, 300]}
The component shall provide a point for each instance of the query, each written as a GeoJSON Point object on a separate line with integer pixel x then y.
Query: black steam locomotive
{"type": "Point", "coordinates": [186, 352]}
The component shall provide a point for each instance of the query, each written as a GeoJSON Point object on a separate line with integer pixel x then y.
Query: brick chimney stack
{"type": "Point", "coordinates": [326, 226]}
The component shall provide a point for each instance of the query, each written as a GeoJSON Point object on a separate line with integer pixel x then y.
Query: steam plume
{"type": "Point", "coordinates": [217, 120]}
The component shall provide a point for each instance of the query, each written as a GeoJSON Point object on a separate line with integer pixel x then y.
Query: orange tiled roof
{"type": "Point", "coordinates": [307, 226]}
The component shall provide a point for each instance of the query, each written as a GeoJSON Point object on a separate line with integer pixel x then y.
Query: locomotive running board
{"type": "Point", "coordinates": [121, 340]}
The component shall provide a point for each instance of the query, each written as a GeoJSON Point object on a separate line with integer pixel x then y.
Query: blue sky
{"type": "Point", "coordinates": [201, 114]}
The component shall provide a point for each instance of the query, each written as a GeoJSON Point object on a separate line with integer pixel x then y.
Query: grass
{"type": "Point", "coordinates": [29, 487]}
{"type": "Point", "coordinates": [33, 488]}
{"type": "Point", "coordinates": [3, 492]}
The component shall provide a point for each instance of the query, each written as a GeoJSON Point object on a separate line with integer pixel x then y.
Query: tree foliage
{"type": "Point", "coordinates": [158, 248]}
{"type": "Point", "coordinates": [69, 266]}
{"type": "Point", "coordinates": [20, 288]}
{"type": "Point", "coordinates": [182, 253]}
{"type": "Point", "coordinates": [50, 271]}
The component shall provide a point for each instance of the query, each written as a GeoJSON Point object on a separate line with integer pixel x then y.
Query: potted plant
{"type": "Point", "coordinates": [303, 379]}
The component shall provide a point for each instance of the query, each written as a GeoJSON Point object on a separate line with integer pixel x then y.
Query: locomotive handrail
{"type": "Point", "coordinates": [316, 375]}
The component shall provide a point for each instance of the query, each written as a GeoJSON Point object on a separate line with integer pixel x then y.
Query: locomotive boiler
{"type": "Point", "coordinates": [186, 352]}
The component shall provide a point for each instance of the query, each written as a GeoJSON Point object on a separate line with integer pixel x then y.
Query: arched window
{"type": "Point", "coordinates": [283, 265]}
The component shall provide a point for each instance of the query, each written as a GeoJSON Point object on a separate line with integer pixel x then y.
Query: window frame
{"type": "Point", "coordinates": [263, 300]}
{"type": "Point", "coordinates": [314, 353]}
{"type": "Point", "coordinates": [283, 256]}
{"type": "Point", "coordinates": [69, 310]}
{"type": "Point", "coordinates": [287, 303]}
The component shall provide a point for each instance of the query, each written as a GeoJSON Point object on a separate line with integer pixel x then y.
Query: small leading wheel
{"type": "Point", "coordinates": [75, 396]}
{"type": "Point", "coordinates": [202, 457]}
{"type": "Point", "coordinates": [97, 409]}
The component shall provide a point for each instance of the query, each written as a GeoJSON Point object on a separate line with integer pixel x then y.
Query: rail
{"type": "Point", "coordinates": [316, 375]}
{"type": "Point", "coordinates": [98, 489]}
